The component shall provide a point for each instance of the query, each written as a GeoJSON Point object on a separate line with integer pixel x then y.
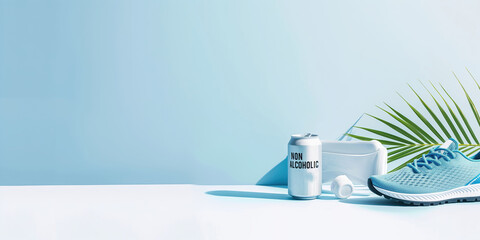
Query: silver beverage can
{"type": "Point", "coordinates": [304, 166]}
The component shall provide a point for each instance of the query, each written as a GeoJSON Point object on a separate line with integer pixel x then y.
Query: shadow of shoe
{"type": "Point", "coordinates": [373, 201]}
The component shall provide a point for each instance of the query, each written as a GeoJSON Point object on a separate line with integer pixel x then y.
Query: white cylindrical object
{"type": "Point", "coordinates": [342, 187]}
{"type": "Point", "coordinates": [304, 166]}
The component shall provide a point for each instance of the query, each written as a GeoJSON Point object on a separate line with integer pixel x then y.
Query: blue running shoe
{"type": "Point", "coordinates": [443, 175]}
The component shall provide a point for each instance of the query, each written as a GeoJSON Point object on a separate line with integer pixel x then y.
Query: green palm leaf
{"type": "Point", "coordinates": [398, 150]}
{"type": "Point", "coordinates": [385, 134]}
{"type": "Point", "coordinates": [394, 147]}
{"type": "Point", "coordinates": [406, 139]}
{"type": "Point", "coordinates": [468, 149]}
{"type": "Point", "coordinates": [465, 121]}
{"type": "Point", "coordinates": [396, 128]}
{"type": "Point", "coordinates": [434, 116]}
{"type": "Point", "coordinates": [414, 127]}
{"type": "Point", "coordinates": [407, 152]}
{"type": "Point", "coordinates": [454, 117]}
{"type": "Point", "coordinates": [472, 106]}
{"type": "Point", "coordinates": [406, 124]}
{"type": "Point", "coordinates": [445, 116]}
{"type": "Point", "coordinates": [424, 120]}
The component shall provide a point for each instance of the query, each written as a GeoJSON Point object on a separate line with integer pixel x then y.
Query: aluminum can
{"type": "Point", "coordinates": [304, 166]}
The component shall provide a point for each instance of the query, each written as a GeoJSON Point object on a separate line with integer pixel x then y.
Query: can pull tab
{"type": "Point", "coordinates": [308, 135]}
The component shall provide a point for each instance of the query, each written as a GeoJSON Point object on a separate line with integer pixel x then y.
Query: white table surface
{"type": "Point", "coordinates": [220, 212]}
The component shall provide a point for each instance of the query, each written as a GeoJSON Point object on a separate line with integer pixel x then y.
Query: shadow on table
{"type": "Point", "coordinates": [262, 195]}
{"type": "Point", "coordinates": [367, 201]}
{"type": "Point", "coordinates": [245, 194]}
{"type": "Point", "coordinates": [373, 201]}
{"type": "Point", "coordinates": [326, 191]}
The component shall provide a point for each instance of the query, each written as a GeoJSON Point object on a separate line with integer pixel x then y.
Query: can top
{"type": "Point", "coordinates": [304, 139]}
{"type": "Point", "coordinates": [306, 135]}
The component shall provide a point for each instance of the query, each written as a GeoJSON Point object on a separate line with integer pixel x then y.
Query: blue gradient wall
{"type": "Point", "coordinates": [113, 92]}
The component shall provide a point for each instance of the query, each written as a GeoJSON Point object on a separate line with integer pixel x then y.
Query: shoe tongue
{"type": "Point", "coordinates": [450, 144]}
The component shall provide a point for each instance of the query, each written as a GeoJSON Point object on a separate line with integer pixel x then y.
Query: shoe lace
{"type": "Point", "coordinates": [434, 156]}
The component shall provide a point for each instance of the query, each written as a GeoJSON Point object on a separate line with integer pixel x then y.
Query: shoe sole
{"type": "Point", "coordinates": [469, 193]}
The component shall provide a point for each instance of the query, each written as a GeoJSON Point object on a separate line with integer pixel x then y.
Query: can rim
{"type": "Point", "coordinates": [306, 135]}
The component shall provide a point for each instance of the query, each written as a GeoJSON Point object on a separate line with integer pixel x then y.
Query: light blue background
{"type": "Point", "coordinates": [208, 92]}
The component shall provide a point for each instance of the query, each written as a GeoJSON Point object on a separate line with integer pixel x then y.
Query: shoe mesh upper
{"type": "Point", "coordinates": [455, 173]}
